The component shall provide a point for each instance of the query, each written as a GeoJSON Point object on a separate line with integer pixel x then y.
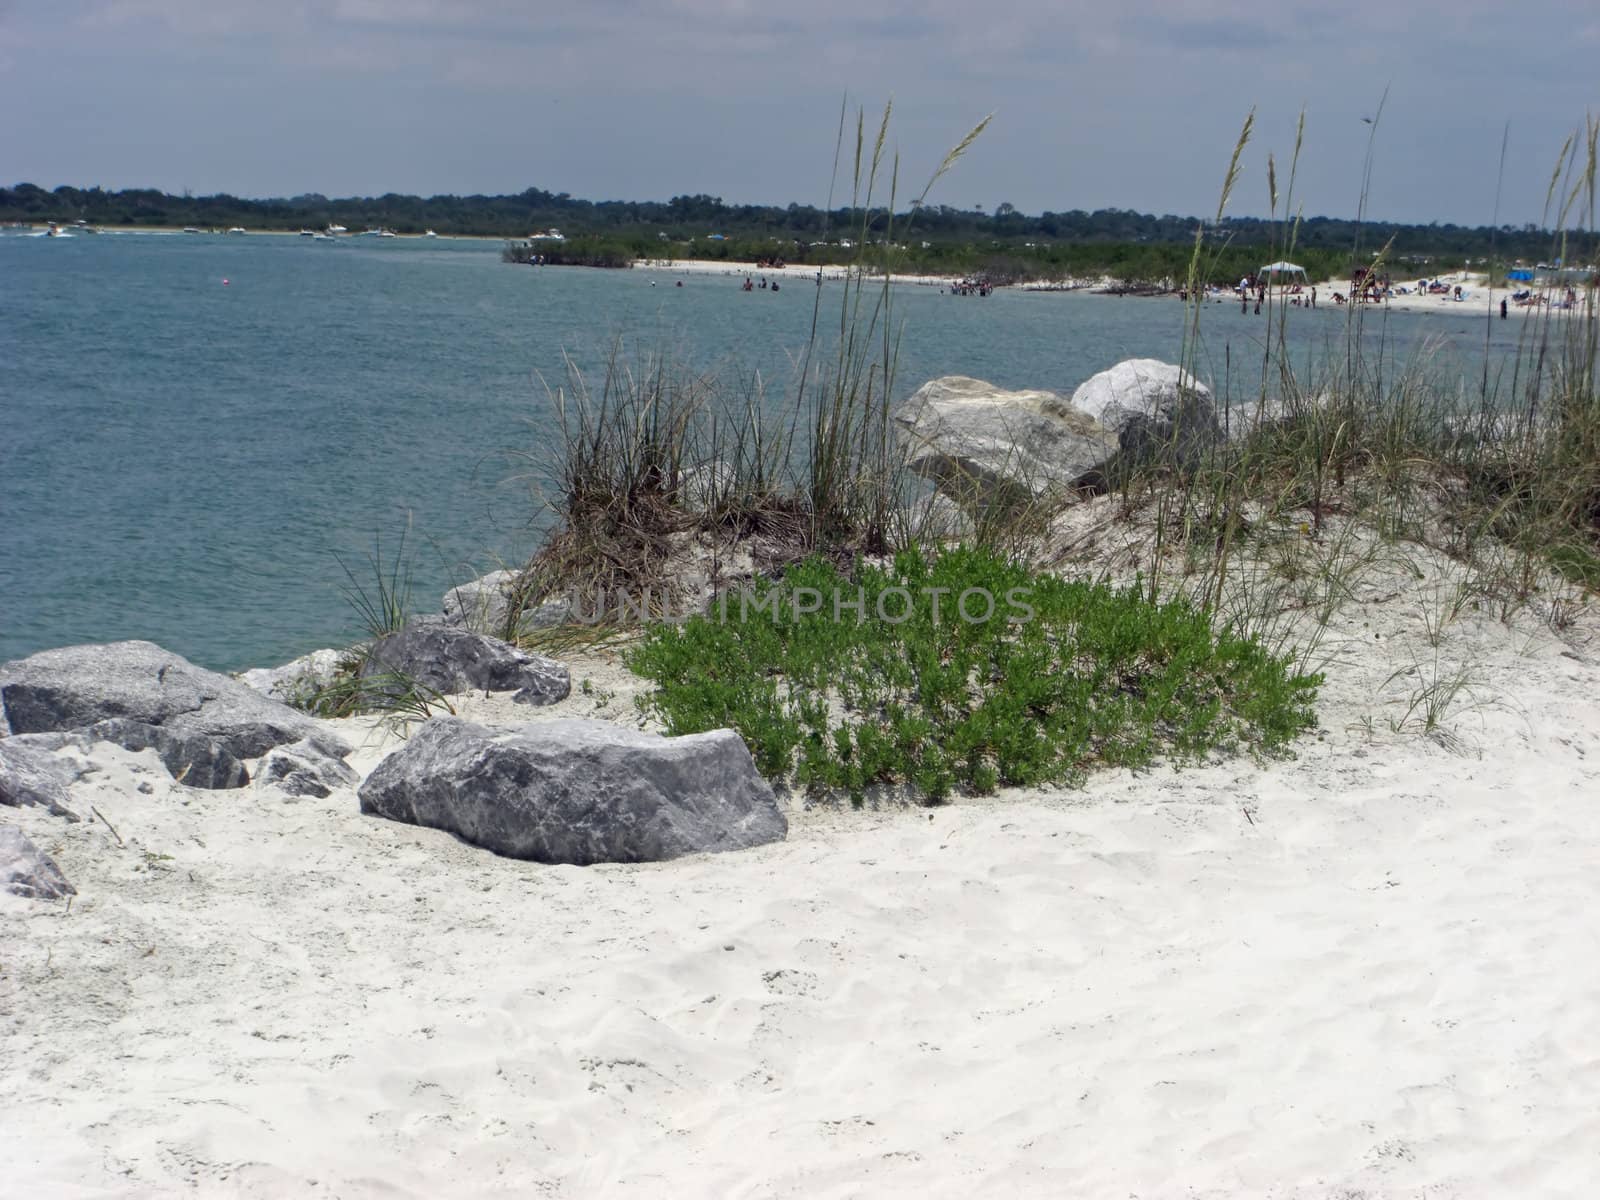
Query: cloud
{"type": "Point", "coordinates": [1134, 104]}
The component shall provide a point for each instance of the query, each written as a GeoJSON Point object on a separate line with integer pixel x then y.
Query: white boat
{"type": "Point", "coordinates": [322, 237]}
{"type": "Point", "coordinates": [336, 230]}
{"type": "Point", "coordinates": [236, 229]}
{"type": "Point", "coordinates": [430, 233]}
{"type": "Point", "coordinates": [190, 229]}
{"type": "Point", "coordinates": [307, 233]}
{"type": "Point", "coordinates": [387, 233]}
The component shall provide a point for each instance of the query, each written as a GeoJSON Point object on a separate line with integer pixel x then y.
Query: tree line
{"type": "Point", "coordinates": [644, 224]}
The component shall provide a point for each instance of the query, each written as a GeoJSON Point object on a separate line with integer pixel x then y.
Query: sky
{"type": "Point", "coordinates": [1112, 104]}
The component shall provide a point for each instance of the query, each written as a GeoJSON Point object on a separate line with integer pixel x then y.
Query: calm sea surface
{"type": "Point", "coordinates": [183, 458]}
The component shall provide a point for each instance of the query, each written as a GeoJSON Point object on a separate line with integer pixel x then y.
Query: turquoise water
{"type": "Point", "coordinates": [184, 458]}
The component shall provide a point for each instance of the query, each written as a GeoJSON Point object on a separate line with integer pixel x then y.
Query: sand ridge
{"type": "Point", "coordinates": [1371, 970]}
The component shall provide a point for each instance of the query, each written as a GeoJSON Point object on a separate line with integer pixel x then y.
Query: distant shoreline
{"type": "Point", "coordinates": [1479, 293]}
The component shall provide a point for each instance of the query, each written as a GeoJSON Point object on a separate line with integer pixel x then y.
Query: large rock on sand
{"type": "Point", "coordinates": [308, 768]}
{"type": "Point", "coordinates": [450, 660]}
{"type": "Point", "coordinates": [982, 445]}
{"type": "Point", "coordinates": [482, 605]}
{"type": "Point", "coordinates": [32, 775]}
{"type": "Point", "coordinates": [190, 758]}
{"type": "Point", "coordinates": [77, 686]}
{"type": "Point", "coordinates": [1154, 408]}
{"type": "Point", "coordinates": [26, 870]}
{"type": "Point", "coordinates": [495, 604]}
{"type": "Point", "coordinates": [573, 791]}
{"type": "Point", "coordinates": [298, 681]}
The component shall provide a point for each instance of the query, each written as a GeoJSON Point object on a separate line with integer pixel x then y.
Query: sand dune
{"type": "Point", "coordinates": [1371, 971]}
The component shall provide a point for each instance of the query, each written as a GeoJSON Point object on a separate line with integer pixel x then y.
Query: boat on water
{"type": "Point", "coordinates": [387, 233]}
{"type": "Point", "coordinates": [336, 230]}
{"type": "Point", "coordinates": [192, 229]}
{"type": "Point", "coordinates": [430, 233]}
{"type": "Point", "coordinates": [52, 230]}
{"type": "Point", "coordinates": [308, 233]}
{"type": "Point", "coordinates": [236, 229]}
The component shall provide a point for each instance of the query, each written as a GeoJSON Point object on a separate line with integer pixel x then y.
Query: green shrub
{"type": "Point", "coordinates": [1061, 676]}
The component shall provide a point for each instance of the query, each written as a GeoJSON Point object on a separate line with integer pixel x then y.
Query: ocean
{"type": "Point", "coordinates": [199, 428]}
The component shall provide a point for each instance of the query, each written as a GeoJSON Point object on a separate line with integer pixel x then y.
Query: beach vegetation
{"type": "Point", "coordinates": [654, 455]}
{"type": "Point", "coordinates": [380, 596]}
{"type": "Point", "coordinates": [1343, 465]}
{"type": "Point", "coordinates": [964, 671]}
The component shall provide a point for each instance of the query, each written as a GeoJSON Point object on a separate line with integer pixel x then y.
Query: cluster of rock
{"type": "Point", "coordinates": [558, 791]}
{"type": "Point", "coordinates": [984, 446]}
{"type": "Point", "coordinates": [202, 725]}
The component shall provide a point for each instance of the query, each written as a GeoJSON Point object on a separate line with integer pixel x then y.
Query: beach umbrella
{"type": "Point", "coordinates": [1283, 268]}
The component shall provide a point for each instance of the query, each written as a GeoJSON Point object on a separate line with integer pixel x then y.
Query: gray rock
{"type": "Point", "coordinates": [936, 517]}
{"type": "Point", "coordinates": [1155, 409]}
{"type": "Point", "coordinates": [483, 605]}
{"type": "Point", "coordinates": [43, 741]}
{"type": "Point", "coordinates": [497, 605]}
{"type": "Point", "coordinates": [305, 769]}
{"type": "Point", "coordinates": [296, 682]}
{"type": "Point", "coordinates": [582, 792]}
{"type": "Point", "coordinates": [450, 660]}
{"type": "Point", "coordinates": [28, 871]}
{"type": "Point", "coordinates": [32, 775]}
{"type": "Point", "coordinates": [982, 445]}
{"type": "Point", "coordinates": [552, 612]}
{"type": "Point", "coordinates": [74, 687]}
{"type": "Point", "coordinates": [191, 758]}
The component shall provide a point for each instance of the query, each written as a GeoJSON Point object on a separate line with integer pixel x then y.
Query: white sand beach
{"type": "Point", "coordinates": [792, 275]}
{"type": "Point", "coordinates": [1371, 971]}
{"type": "Point", "coordinates": [1480, 298]}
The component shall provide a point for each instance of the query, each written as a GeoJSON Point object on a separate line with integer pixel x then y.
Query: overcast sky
{"type": "Point", "coordinates": [1115, 103]}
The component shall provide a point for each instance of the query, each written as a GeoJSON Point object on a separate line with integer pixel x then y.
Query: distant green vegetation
{"type": "Point", "coordinates": [571, 252]}
{"type": "Point", "coordinates": [1138, 245]}
{"type": "Point", "coordinates": [1136, 266]}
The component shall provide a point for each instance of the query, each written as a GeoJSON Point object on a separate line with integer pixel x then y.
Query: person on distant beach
{"type": "Point", "coordinates": [1313, 297]}
{"type": "Point", "coordinates": [1502, 308]}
